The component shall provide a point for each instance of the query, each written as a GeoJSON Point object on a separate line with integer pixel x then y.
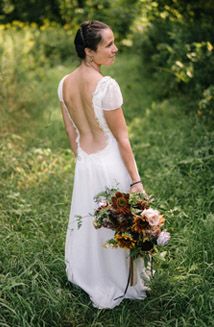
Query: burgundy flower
{"type": "Point", "coordinates": [120, 202]}
{"type": "Point", "coordinates": [142, 204]}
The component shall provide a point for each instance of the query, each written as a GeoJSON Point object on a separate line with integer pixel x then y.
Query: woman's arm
{"type": "Point", "coordinates": [70, 130]}
{"type": "Point", "coordinates": [117, 124]}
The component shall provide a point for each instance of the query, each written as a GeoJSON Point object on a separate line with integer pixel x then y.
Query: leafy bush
{"type": "Point", "coordinates": [118, 13]}
{"type": "Point", "coordinates": [177, 47]}
{"type": "Point", "coordinates": [49, 43]}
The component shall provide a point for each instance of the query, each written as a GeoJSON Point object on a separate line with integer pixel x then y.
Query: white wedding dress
{"type": "Point", "coordinates": [99, 271]}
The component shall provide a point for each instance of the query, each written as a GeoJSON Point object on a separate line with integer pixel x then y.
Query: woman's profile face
{"type": "Point", "coordinates": [106, 49]}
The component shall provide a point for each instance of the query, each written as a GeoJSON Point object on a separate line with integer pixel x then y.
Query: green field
{"type": "Point", "coordinates": [174, 152]}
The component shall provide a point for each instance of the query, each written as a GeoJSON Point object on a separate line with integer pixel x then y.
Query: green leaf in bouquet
{"type": "Point", "coordinates": [112, 243]}
{"type": "Point", "coordinates": [105, 195]}
{"type": "Point", "coordinates": [79, 221]}
{"type": "Point", "coordinates": [135, 197]}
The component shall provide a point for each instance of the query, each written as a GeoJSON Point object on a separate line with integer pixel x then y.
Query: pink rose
{"type": "Point", "coordinates": [152, 216]}
{"type": "Point", "coordinates": [102, 203]}
{"type": "Point", "coordinates": [163, 238]}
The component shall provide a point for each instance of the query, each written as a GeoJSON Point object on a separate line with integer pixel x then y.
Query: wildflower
{"type": "Point", "coordinates": [124, 240]}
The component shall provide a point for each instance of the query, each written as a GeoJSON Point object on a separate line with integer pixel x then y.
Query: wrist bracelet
{"type": "Point", "coordinates": [135, 183]}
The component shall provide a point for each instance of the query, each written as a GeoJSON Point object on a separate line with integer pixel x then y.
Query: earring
{"type": "Point", "coordinates": [92, 58]}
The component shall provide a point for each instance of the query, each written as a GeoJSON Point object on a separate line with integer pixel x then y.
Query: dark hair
{"type": "Point", "coordinates": [88, 36]}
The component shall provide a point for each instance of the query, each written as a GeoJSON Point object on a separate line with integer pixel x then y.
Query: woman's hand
{"type": "Point", "coordinates": [138, 188]}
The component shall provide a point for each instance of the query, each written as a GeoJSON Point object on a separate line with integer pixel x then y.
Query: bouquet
{"type": "Point", "coordinates": [136, 225]}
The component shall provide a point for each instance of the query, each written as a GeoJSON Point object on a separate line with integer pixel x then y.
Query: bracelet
{"type": "Point", "coordinates": [135, 183]}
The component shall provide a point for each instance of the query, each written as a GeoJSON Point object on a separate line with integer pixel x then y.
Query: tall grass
{"type": "Point", "coordinates": [174, 152]}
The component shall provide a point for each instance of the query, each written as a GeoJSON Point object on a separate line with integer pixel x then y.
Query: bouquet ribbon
{"type": "Point", "coordinates": [130, 280]}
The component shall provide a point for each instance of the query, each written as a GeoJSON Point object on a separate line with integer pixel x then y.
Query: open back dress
{"type": "Point", "coordinates": [101, 272]}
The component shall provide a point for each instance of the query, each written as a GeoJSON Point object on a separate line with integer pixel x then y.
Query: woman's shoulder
{"type": "Point", "coordinates": [69, 76]}
{"type": "Point", "coordinates": [65, 82]}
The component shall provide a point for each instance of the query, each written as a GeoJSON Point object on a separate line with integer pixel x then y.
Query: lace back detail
{"type": "Point", "coordinates": [80, 152]}
{"type": "Point", "coordinates": [107, 96]}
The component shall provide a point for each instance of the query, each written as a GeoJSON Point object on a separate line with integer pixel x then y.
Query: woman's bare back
{"type": "Point", "coordinates": [78, 89]}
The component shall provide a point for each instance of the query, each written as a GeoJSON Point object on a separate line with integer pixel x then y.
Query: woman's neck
{"type": "Point", "coordinates": [91, 65]}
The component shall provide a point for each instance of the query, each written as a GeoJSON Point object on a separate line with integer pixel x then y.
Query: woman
{"type": "Point", "coordinates": [96, 128]}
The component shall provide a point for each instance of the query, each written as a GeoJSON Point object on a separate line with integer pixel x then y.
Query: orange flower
{"type": "Point", "coordinates": [162, 220]}
{"type": "Point", "coordinates": [120, 202]}
{"type": "Point", "coordinates": [125, 240]}
{"type": "Point", "coordinates": [139, 224]}
{"type": "Point", "coordinates": [155, 231]}
{"type": "Point", "coordinates": [142, 204]}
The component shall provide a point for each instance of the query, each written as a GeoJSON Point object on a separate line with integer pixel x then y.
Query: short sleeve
{"type": "Point", "coordinates": [112, 97]}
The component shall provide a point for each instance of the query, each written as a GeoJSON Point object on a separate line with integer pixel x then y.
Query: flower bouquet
{"type": "Point", "coordinates": [136, 225]}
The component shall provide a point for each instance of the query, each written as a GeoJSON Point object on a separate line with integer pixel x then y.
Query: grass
{"type": "Point", "coordinates": [174, 152]}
